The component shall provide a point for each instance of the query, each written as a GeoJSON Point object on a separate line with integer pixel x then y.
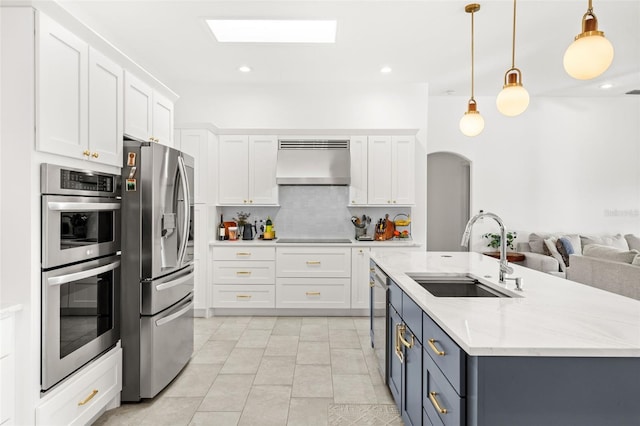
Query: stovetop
{"type": "Point", "coordinates": [315, 240]}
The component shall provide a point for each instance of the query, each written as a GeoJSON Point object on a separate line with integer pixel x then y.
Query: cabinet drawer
{"type": "Point", "coordinates": [244, 253]}
{"type": "Point", "coordinates": [234, 272]}
{"type": "Point", "coordinates": [412, 315]}
{"type": "Point", "coordinates": [313, 262]}
{"type": "Point", "coordinates": [395, 296]}
{"type": "Point", "coordinates": [7, 388]}
{"type": "Point", "coordinates": [6, 335]}
{"type": "Point", "coordinates": [245, 296]}
{"type": "Point", "coordinates": [313, 293]}
{"type": "Point", "coordinates": [83, 396]}
{"type": "Point", "coordinates": [445, 353]}
{"type": "Point", "coordinates": [437, 393]}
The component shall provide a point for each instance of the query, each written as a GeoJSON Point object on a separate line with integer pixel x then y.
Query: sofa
{"type": "Point", "coordinates": [611, 263]}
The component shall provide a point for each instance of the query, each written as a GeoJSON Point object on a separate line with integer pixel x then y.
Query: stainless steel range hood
{"type": "Point", "coordinates": [313, 162]}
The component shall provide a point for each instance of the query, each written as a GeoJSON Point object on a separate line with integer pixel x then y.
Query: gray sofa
{"type": "Point", "coordinates": [600, 267]}
{"type": "Point", "coordinates": [609, 275]}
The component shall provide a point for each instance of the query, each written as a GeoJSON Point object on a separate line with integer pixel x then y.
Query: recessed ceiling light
{"type": "Point", "coordinates": [385, 70]}
{"type": "Point", "coordinates": [606, 86]}
{"type": "Point", "coordinates": [273, 31]}
{"type": "Point", "coordinates": [244, 68]}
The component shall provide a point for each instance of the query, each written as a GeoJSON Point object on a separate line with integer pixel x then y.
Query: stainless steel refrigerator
{"type": "Point", "coordinates": [157, 267]}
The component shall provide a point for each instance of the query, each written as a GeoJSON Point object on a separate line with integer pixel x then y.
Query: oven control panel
{"type": "Point", "coordinates": [71, 179]}
{"type": "Point", "coordinates": [59, 180]}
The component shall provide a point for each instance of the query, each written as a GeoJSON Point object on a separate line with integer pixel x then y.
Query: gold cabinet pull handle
{"type": "Point", "coordinates": [243, 296]}
{"type": "Point", "coordinates": [243, 273]}
{"type": "Point", "coordinates": [312, 293]}
{"type": "Point", "coordinates": [313, 262]}
{"type": "Point", "coordinates": [398, 350]}
{"type": "Point", "coordinates": [433, 347]}
{"type": "Point", "coordinates": [372, 283]}
{"type": "Point", "coordinates": [434, 401]}
{"type": "Point", "coordinates": [404, 341]}
{"type": "Point", "coordinates": [86, 153]}
{"type": "Point", "coordinates": [243, 253]}
{"type": "Point", "coordinates": [89, 398]}
{"type": "Point", "coordinates": [95, 155]}
{"type": "Point", "coordinates": [372, 269]}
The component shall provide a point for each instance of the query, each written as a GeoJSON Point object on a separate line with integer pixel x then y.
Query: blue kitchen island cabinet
{"type": "Point", "coordinates": [434, 381]}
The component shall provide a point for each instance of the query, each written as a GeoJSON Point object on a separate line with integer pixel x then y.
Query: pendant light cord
{"type": "Point", "coordinates": [513, 40]}
{"type": "Point", "coordinates": [472, 56]}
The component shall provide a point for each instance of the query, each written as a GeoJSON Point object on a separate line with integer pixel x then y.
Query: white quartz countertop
{"type": "Point", "coordinates": [353, 243]}
{"type": "Point", "coordinates": [551, 317]}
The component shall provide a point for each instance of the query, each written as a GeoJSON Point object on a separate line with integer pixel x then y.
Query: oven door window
{"type": "Point", "coordinates": [86, 311]}
{"type": "Point", "coordinates": [85, 228]}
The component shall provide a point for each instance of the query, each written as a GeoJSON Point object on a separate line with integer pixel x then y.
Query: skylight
{"type": "Point", "coordinates": [273, 31]}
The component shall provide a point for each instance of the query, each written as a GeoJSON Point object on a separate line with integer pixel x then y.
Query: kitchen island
{"type": "Point", "coordinates": [558, 352]}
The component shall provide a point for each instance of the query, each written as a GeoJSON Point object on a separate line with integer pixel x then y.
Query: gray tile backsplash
{"type": "Point", "coordinates": [314, 212]}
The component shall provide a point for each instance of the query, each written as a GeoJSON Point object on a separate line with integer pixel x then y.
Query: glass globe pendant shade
{"type": "Point", "coordinates": [513, 99]}
{"type": "Point", "coordinates": [471, 123]}
{"type": "Point", "coordinates": [588, 56]}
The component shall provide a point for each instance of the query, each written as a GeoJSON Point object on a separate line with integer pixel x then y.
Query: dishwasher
{"type": "Point", "coordinates": [378, 316]}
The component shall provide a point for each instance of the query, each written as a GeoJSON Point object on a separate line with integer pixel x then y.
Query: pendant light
{"type": "Point", "coordinates": [590, 54]}
{"type": "Point", "coordinates": [513, 99]}
{"type": "Point", "coordinates": [472, 123]}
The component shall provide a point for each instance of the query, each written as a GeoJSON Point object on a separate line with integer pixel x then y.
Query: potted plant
{"type": "Point", "coordinates": [241, 220]}
{"type": "Point", "coordinates": [494, 239]}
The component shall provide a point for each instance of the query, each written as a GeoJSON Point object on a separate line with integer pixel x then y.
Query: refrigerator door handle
{"type": "Point", "coordinates": [175, 315]}
{"type": "Point", "coordinates": [174, 283]}
{"type": "Point", "coordinates": [187, 210]}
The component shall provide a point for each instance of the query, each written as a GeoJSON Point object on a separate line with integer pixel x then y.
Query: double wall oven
{"type": "Point", "coordinates": [80, 263]}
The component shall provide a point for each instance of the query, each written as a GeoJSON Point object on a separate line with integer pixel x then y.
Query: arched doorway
{"type": "Point", "coordinates": [448, 200]}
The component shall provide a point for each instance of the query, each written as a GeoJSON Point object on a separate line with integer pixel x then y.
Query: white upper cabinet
{"type": "Point", "coordinates": [61, 90]}
{"type": "Point", "coordinates": [358, 187]}
{"type": "Point", "coordinates": [106, 101]}
{"type": "Point", "coordinates": [147, 114]}
{"type": "Point", "coordinates": [79, 97]}
{"type": "Point", "coordinates": [247, 170]}
{"type": "Point", "coordinates": [200, 144]}
{"type": "Point", "coordinates": [263, 153]}
{"type": "Point", "coordinates": [391, 170]}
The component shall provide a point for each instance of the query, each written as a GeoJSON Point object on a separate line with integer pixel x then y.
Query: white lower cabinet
{"type": "Point", "coordinates": [313, 293]}
{"type": "Point", "coordinates": [84, 396]}
{"type": "Point", "coordinates": [313, 262]}
{"type": "Point", "coordinates": [243, 277]}
{"type": "Point", "coordinates": [7, 369]}
{"type": "Point", "coordinates": [360, 278]}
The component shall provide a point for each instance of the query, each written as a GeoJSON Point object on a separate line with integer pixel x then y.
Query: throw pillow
{"type": "Point", "coordinates": [617, 241]}
{"type": "Point", "coordinates": [575, 241]}
{"type": "Point", "coordinates": [633, 241]}
{"type": "Point", "coordinates": [565, 248]}
{"type": "Point", "coordinates": [550, 243]}
{"type": "Point", "coordinates": [536, 243]}
{"type": "Point", "coordinates": [609, 253]}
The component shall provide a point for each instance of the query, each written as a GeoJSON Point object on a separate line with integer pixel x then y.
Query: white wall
{"type": "Point", "coordinates": [566, 164]}
{"type": "Point", "coordinates": [317, 107]}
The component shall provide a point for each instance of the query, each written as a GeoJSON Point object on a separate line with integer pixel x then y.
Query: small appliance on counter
{"type": "Point", "coordinates": [362, 226]}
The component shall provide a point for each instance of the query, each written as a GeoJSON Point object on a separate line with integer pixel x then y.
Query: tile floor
{"type": "Point", "coordinates": [269, 371]}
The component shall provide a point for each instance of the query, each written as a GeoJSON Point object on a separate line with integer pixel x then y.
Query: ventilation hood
{"type": "Point", "coordinates": [313, 162]}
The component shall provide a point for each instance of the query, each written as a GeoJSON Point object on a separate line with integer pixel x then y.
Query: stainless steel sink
{"type": "Point", "coordinates": [456, 286]}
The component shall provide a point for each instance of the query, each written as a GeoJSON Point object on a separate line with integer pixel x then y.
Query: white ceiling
{"type": "Point", "coordinates": [422, 40]}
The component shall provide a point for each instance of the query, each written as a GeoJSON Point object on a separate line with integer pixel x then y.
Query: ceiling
{"type": "Point", "coordinates": [423, 41]}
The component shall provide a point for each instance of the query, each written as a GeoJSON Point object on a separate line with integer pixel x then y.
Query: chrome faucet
{"type": "Point", "coordinates": [504, 265]}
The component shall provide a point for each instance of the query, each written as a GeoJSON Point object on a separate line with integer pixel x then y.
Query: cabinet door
{"type": "Point", "coordinates": [61, 90]}
{"type": "Point", "coordinates": [263, 153]}
{"type": "Point", "coordinates": [412, 381]}
{"type": "Point", "coordinates": [233, 170]}
{"type": "Point", "coordinates": [394, 362]}
{"type": "Point", "coordinates": [105, 109]}
{"type": "Point", "coordinates": [137, 107]}
{"type": "Point", "coordinates": [162, 119]}
{"type": "Point", "coordinates": [403, 170]}
{"type": "Point", "coordinates": [379, 170]}
{"type": "Point", "coordinates": [360, 278]}
{"type": "Point", "coordinates": [358, 187]}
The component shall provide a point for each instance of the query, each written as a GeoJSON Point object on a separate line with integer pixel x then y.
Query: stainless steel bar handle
{"type": "Point", "coordinates": [63, 279]}
{"type": "Point", "coordinates": [187, 210]}
{"type": "Point", "coordinates": [81, 207]}
{"type": "Point", "coordinates": [176, 282]}
{"type": "Point", "coordinates": [173, 316]}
